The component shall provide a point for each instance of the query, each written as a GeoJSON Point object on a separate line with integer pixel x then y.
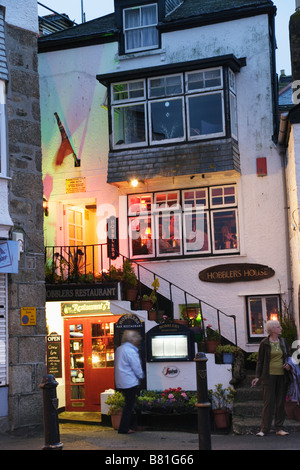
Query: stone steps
{"type": "Point", "coordinates": [247, 409]}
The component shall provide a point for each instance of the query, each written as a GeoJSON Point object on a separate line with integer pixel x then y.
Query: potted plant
{"type": "Point", "coordinates": [213, 339]}
{"type": "Point", "coordinates": [149, 300]}
{"type": "Point", "coordinates": [116, 403]}
{"type": "Point", "coordinates": [228, 352]}
{"type": "Point", "coordinates": [130, 280]}
{"type": "Point", "coordinates": [221, 398]}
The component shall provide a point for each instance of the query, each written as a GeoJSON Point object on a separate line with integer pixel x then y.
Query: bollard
{"type": "Point", "coordinates": [50, 405]}
{"type": "Point", "coordinates": [203, 404]}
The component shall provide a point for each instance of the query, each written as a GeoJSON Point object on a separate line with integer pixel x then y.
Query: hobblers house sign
{"type": "Point", "coordinates": [236, 273]}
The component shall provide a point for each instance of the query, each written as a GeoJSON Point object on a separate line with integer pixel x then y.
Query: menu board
{"type": "Point", "coordinates": [54, 366]}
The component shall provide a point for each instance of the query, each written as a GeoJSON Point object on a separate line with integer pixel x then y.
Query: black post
{"type": "Point", "coordinates": [50, 405]}
{"type": "Point", "coordinates": [203, 404]}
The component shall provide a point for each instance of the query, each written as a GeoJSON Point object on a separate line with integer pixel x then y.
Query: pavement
{"type": "Point", "coordinates": [78, 436]}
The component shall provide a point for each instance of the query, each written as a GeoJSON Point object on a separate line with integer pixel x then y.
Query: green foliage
{"type": "Point", "coordinates": [227, 348]}
{"type": "Point", "coordinates": [129, 276]}
{"type": "Point", "coordinates": [116, 402]}
{"type": "Point", "coordinates": [289, 329]}
{"type": "Point", "coordinates": [171, 400]}
{"type": "Point", "coordinates": [212, 335]}
{"type": "Point", "coordinates": [221, 397]}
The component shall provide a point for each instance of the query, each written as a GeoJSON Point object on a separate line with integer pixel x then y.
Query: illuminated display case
{"type": "Point", "coordinates": [170, 342]}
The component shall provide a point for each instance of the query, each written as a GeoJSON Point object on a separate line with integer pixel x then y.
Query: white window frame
{"type": "Point", "coordinates": [139, 28]}
{"type": "Point", "coordinates": [176, 215]}
{"type": "Point", "coordinates": [165, 207]}
{"type": "Point", "coordinates": [141, 217]}
{"type": "Point", "coordinates": [175, 139]}
{"type": "Point", "coordinates": [203, 89]}
{"type": "Point", "coordinates": [134, 144]}
{"type": "Point", "coordinates": [165, 78]}
{"type": "Point", "coordinates": [216, 251]}
{"type": "Point", "coordinates": [263, 299]}
{"type": "Point", "coordinates": [187, 247]}
{"type": "Point", "coordinates": [129, 99]}
{"type": "Point", "coordinates": [209, 135]}
{"type": "Point", "coordinates": [223, 204]}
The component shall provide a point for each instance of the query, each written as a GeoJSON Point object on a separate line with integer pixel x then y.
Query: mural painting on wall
{"type": "Point", "coordinates": [65, 148]}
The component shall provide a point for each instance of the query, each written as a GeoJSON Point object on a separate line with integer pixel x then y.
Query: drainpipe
{"type": "Point", "coordinates": [283, 130]}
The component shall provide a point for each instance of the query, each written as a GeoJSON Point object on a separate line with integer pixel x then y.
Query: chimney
{"type": "Point", "coordinates": [294, 28]}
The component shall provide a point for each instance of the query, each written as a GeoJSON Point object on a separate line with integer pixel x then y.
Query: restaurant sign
{"type": "Point", "coordinates": [238, 272]}
{"type": "Point", "coordinates": [85, 308]}
{"type": "Point", "coordinates": [64, 292]}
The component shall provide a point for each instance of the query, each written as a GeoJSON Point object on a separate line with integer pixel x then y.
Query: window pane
{"type": "Point", "coordinates": [223, 195]}
{"type": "Point", "coordinates": [148, 14]}
{"type": "Point", "coordinates": [167, 120]}
{"type": "Point", "coordinates": [205, 114]}
{"type": "Point", "coordinates": [195, 199]}
{"type": "Point", "coordinates": [202, 80]}
{"type": "Point", "coordinates": [165, 86]}
{"type": "Point", "coordinates": [169, 234]}
{"type": "Point", "coordinates": [196, 233]}
{"type": "Point", "coordinates": [225, 230]}
{"type": "Point", "coordinates": [140, 232]}
{"type": "Point", "coordinates": [233, 115]}
{"type": "Point", "coordinates": [166, 200]}
{"type": "Point", "coordinates": [139, 203]}
{"type": "Point", "coordinates": [272, 308]}
{"type": "Point", "coordinates": [129, 125]}
{"type": "Point", "coordinates": [256, 316]}
{"type": "Point", "coordinates": [132, 18]}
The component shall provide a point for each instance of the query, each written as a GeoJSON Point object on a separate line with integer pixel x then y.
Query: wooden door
{"type": "Point", "coordinates": [89, 360]}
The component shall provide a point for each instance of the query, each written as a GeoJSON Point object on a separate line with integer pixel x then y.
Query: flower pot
{"type": "Point", "coordinates": [228, 358]}
{"type": "Point", "coordinates": [290, 409]}
{"type": "Point", "coordinates": [211, 345]}
{"type": "Point", "coordinates": [131, 294]}
{"type": "Point", "coordinates": [116, 419]}
{"type": "Point", "coordinates": [147, 305]}
{"type": "Point", "coordinates": [152, 315]}
{"type": "Point", "coordinates": [221, 418]}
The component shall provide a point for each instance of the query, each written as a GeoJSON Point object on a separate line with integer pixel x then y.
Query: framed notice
{"type": "Point", "coordinates": [54, 365]}
{"type": "Point", "coordinates": [75, 185]}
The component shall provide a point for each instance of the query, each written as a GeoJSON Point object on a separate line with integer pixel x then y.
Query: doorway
{"type": "Point", "coordinates": [89, 360]}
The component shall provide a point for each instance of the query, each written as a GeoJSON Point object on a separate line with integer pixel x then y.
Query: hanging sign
{"type": "Point", "coordinates": [238, 272]}
{"type": "Point", "coordinates": [9, 255]}
{"type": "Point", "coordinates": [85, 308]}
{"type": "Point", "coordinates": [54, 355]}
{"type": "Point", "coordinates": [112, 237]}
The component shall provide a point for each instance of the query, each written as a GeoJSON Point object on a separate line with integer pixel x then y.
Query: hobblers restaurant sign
{"type": "Point", "coordinates": [238, 272]}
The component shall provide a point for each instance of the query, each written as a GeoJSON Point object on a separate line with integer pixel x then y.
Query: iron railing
{"type": "Point", "coordinates": [90, 263]}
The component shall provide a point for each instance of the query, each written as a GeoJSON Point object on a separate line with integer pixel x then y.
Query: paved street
{"type": "Point", "coordinates": [90, 437]}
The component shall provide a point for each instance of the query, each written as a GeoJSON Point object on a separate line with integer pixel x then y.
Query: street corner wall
{"type": "Point", "coordinates": [27, 288]}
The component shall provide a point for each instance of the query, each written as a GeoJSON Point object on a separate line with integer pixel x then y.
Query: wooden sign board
{"type": "Point", "coordinates": [238, 272]}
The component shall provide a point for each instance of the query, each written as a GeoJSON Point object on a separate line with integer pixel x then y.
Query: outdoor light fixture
{"type": "Point", "coordinates": [135, 182]}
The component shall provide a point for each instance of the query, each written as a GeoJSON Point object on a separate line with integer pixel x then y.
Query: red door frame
{"type": "Point", "coordinates": [88, 360]}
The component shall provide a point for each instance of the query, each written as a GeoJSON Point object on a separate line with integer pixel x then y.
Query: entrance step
{"type": "Point", "coordinates": [82, 417]}
{"type": "Point", "coordinates": [247, 410]}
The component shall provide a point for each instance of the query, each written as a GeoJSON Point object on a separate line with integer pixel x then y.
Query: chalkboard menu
{"type": "Point", "coordinates": [54, 355]}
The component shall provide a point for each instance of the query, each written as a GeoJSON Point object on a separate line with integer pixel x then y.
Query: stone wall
{"type": "Point", "coordinates": [27, 288]}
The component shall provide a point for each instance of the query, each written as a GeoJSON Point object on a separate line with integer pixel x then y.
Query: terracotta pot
{"type": "Point", "coordinates": [147, 305]}
{"type": "Point", "coordinates": [116, 419]}
{"type": "Point", "coordinates": [221, 418]}
{"type": "Point", "coordinates": [211, 345]}
{"type": "Point", "coordinates": [152, 315]}
{"type": "Point", "coordinates": [290, 409]}
{"type": "Point", "coordinates": [131, 294]}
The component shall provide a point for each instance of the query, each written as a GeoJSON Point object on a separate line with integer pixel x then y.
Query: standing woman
{"type": "Point", "coordinates": [272, 371]}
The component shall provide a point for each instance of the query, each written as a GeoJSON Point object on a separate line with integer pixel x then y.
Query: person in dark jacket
{"type": "Point", "coordinates": [272, 372]}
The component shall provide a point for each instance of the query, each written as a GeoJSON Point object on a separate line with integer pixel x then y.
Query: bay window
{"type": "Point", "coordinates": [198, 221]}
{"type": "Point", "coordinates": [173, 108]}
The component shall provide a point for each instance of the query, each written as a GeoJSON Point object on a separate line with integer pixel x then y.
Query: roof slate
{"type": "Point", "coordinates": [106, 25]}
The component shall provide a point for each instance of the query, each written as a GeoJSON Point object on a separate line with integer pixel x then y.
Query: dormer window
{"type": "Point", "coordinates": [140, 28]}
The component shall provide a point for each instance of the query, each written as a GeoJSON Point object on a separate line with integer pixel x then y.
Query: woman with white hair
{"type": "Point", "coordinates": [128, 373]}
{"type": "Point", "coordinates": [272, 371]}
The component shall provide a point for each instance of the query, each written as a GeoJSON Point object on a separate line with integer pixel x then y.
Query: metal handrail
{"type": "Point", "coordinates": [64, 259]}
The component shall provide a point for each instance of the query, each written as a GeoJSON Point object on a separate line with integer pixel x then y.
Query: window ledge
{"type": "Point", "coordinates": [136, 55]}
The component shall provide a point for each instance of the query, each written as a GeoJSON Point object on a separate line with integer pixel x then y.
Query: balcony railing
{"type": "Point", "coordinates": [91, 264]}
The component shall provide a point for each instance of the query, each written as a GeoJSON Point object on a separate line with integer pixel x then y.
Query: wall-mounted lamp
{"type": "Point", "coordinates": [135, 182]}
{"type": "Point", "coordinates": [45, 206]}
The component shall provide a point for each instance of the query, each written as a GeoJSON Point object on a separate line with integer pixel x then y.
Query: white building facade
{"type": "Point", "coordinates": [181, 98]}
